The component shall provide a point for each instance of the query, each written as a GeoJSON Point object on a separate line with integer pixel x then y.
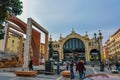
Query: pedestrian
{"type": "Point", "coordinates": [109, 65]}
{"type": "Point", "coordinates": [80, 68]}
{"type": "Point", "coordinates": [117, 64]}
{"type": "Point", "coordinates": [102, 66]}
{"type": "Point", "coordinates": [71, 70]}
{"type": "Point", "coordinates": [67, 65]}
{"type": "Point", "coordinates": [58, 66]}
{"type": "Point", "coordinates": [30, 65]}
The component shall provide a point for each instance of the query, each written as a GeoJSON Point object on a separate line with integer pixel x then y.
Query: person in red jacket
{"type": "Point", "coordinates": [80, 68]}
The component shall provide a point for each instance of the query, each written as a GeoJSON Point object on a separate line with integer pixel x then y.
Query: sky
{"type": "Point", "coordinates": [60, 16]}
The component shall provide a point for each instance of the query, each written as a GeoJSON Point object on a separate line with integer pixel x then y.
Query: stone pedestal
{"type": "Point", "coordinates": [49, 67]}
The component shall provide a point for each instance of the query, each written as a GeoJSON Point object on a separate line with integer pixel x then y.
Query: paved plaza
{"type": "Point", "coordinates": [7, 75]}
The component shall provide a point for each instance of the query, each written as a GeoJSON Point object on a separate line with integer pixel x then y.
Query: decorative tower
{"type": "Point", "coordinates": [86, 36]}
{"type": "Point", "coordinates": [60, 36]}
{"type": "Point", "coordinates": [73, 30]}
{"type": "Point", "coordinates": [50, 38]}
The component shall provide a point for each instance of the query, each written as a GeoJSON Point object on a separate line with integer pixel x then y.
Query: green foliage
{"type": "Point", "coordinates": [1, 32]}
{"type": "Point", "coordinates": [7, 7]}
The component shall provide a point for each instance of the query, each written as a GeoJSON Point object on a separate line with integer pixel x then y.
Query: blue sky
{"type": "Point", "coordinates": [60, 16]}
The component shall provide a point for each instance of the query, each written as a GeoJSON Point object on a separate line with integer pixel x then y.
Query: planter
{"type": "Point", "coordinates": [26, 73]}
{"type": "Point", "coordinates": [65, 73]}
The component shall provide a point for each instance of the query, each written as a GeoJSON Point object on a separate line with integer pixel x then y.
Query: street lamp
{"type": "Point", "coordinates": [98, 44]}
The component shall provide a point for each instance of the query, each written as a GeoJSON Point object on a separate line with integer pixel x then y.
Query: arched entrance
{"type": "Point", "coordinates": [56, 55]}
{"type": "Point", "coordinates": [74, 49]}
{"type": "Point", "coordinates": [94, 55]}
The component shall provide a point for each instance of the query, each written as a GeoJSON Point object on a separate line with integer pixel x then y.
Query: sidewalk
{"type": "Point", "coordinates": [10, 69]}
{"type": "Point", "coordinates": [12, 76]}
{"type": "Point", "coordinates": [9, 73]}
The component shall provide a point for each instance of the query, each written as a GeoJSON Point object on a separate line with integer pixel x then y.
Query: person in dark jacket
{"type": "Point", "coordinates": [71, 70]}
{"type": "Point", "coordinates": [117, 64]}
{"type": "Point", "coordinates": [30, 65]}
{"type": "Point", "coordinates": [102, 66]}
{"type": "Point", "coordinates": [67, 65]}
{"type": "Point", "coordinates": [80, 68]}
{"type": "Point", "coordinates": [58, 66]}
{"type": "Point", "coordinates": [109, 65]}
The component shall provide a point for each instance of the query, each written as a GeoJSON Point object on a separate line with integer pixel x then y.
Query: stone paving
{"type": "Point", "coordinates": [4, 75]}
{"type": "Point", "coordinates": [87, 72]}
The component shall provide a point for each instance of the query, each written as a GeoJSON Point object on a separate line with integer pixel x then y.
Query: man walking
{"type": "Point", "coordinates": [80, 68]}
{"type": "Point", "coordinates": [110, 65]}
{"type": "Point", "coordinates": [30, 65]}
{"type": "Point", "coordinates": [58, 66]}
{"type": "Point", "coordinates": [71, 70]}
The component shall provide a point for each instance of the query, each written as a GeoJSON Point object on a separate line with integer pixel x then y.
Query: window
{"type": "Point", "coordinates": [89, 43]}
{"type": "Point", "coordinates": [58, 46]}
{"type": "Point", "coordinates": [12, 41]}
{"type": "Point", "coordinates": [23, 44]}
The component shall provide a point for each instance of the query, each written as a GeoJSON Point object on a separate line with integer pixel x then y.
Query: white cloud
{"type": "Point", "coordinates": [58, 16]}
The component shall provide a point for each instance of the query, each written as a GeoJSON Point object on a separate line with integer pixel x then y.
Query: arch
{"type": "Point", "coordinates": [74, 35]}
{"type": "Point", "coordinates": [35, 39]}
{"type": "Point", "coordinates": [94, 55]}
{"type": "Point", "coordinates": [74, 48]}
{"type": "Point", "coordinates": [18, 22]}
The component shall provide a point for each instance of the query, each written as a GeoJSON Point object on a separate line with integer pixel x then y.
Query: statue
{"type": "Point", "coordinates": [49, 62]}
{"type": "Point", "coordinates": [50, 50]}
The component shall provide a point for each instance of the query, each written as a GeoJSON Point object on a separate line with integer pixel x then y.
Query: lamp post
{"type": "Point", "coordinates": [98, 44]}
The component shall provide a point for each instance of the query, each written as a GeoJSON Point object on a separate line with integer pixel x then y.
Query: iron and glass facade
{"type": "Point", "coordinates": [74, 47]}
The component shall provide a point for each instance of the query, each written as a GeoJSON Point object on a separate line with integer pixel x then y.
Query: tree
{"type": "Point", "coordinates": [7, 7]}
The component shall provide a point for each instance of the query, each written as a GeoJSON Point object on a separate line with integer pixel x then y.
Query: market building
{"type": "Point", "coordinates": [75, 46]}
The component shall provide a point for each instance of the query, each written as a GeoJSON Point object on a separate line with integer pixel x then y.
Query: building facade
{"type": "Point", "coordinates": [105, 53]}
{"type": "Point", "coordinates": [74, 47]}
{"type": "Point", "coordinates": [13, 45]}
{"type": "Point", "coordinates": [113, 45]}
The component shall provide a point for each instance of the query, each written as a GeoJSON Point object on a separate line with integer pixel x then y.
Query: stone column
{"type": "Point", "coordinates": [20, 51]}
{"type": "Point", "coordinates": [60, 52]}
{"type": "Point", "coordinates": [4, 42]}
{"type": "Point", "coordinates": [28, 43]}
{"type": "Point", "coordinates": [86, 50]}
{"type": "Point", "coordinates": [46, 47]}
